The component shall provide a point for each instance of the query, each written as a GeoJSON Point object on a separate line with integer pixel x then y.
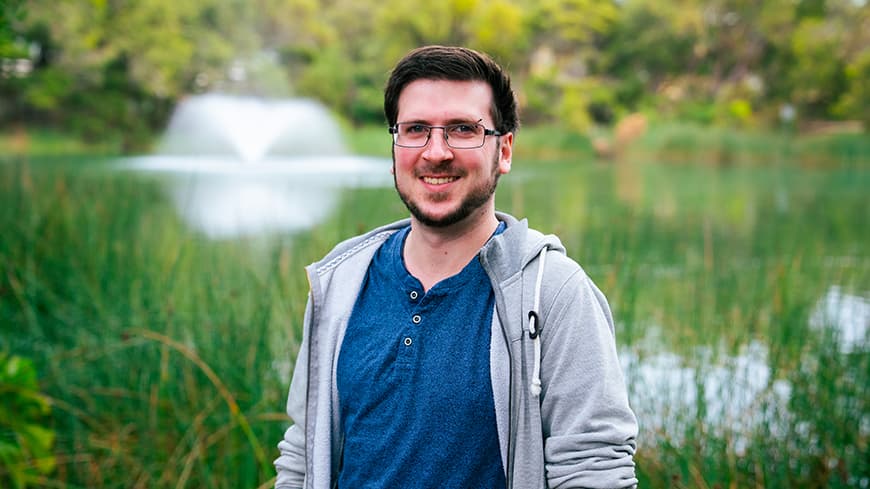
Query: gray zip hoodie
{"type": "Point", "coordinates": [579, 431]}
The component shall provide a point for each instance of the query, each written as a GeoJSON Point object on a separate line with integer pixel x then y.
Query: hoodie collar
{"type": "Point", "coordinates": [509, 252]}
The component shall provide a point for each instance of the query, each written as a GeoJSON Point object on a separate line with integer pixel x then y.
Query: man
{"type": "Point", "coordinates": [457, 348]}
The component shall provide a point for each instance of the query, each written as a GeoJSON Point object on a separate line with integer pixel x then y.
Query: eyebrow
{"type": "Point", "coordinates": [457, 120]}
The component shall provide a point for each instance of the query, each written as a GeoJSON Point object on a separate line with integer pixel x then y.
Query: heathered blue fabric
{"type": "Point", "coordinates": [416, 398]}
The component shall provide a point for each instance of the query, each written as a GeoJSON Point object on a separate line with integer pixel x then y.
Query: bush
{"type": "Point", "coordinates": [25, 442]}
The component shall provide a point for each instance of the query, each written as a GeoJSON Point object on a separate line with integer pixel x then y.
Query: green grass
{"type": "Point", "coordinates": [156, 345]}
{"type": "Point", "coordinates": [716, 146]}
{"type": "Point", "coordinates": [49, 142]}
{"type": "Point", "coordinates": [368, 140]}
{"type": "Point", "coordinates": [165, 355]}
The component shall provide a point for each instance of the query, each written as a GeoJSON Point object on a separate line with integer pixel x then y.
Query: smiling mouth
{"type": "Point", "coordinates": [439, 180]}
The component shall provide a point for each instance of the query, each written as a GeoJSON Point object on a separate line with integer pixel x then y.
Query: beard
{"type": "Point", "coordinates": [475, 198]}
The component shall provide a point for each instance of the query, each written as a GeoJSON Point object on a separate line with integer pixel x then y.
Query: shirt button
{"type": "Point", "coordinates": [414, 295]}
{"type": "Point", "coordinates": [416, 319]}
{"type": "Point", "coordinates": [408, 341]}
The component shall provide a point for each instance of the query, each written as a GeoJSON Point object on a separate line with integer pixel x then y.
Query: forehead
{"type": "Point", "coordinates": [441, 101]}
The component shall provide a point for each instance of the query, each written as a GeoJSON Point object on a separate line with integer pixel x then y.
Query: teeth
{"type": "Point", "coordinates": [438, 180]}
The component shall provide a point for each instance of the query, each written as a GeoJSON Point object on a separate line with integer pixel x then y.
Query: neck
{"type": "Point", "coordinates": [433, 254]}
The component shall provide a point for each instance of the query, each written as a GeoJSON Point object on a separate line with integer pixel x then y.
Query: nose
{"type": "Point", "coordinates": [437, 148]}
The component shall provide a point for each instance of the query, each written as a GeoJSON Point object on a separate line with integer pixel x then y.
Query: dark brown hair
{"type": "Point", "coordinates": [454, 64]}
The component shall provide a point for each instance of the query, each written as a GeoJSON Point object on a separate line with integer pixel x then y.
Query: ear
{"type": "Point", "coordinates": [506, 151]}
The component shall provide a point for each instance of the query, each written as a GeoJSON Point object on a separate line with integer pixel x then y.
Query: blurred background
{"type": "Point", "coordinates": [168, 168]}
{"type": "Point", "coordinates": [113, 71]}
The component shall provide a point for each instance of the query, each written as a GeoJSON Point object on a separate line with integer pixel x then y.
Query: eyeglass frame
{"type": "Point", "coordinates": [394, 130]}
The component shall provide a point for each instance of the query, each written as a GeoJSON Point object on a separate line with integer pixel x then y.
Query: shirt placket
{"type": "Point", "coordinates": [413, 322]}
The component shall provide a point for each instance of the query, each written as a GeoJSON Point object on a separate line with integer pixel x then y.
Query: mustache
{"type": "Point", "coordinates": [439, 169]}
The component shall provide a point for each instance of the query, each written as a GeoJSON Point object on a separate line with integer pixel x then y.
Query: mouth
{"type": "Point", "coordinates": [439, 180]}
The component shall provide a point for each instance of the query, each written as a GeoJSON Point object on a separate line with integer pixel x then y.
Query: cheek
{"type": "Point", "coordinates": [403, 161]}
{"type": "Point", "coordinates": [402, 170]}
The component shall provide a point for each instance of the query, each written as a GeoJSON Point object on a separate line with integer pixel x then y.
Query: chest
{"type": "Point", "coordinates": [414, 384]}
{"type": "Point", "coordinates": [435, 346]}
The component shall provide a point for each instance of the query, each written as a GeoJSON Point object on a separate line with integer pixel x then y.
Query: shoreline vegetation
{"type": "Point", "coordinates": [823, 144]}
{"type": "Point", "coordinates": [148, 355]}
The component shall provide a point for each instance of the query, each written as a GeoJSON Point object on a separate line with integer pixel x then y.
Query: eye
{"type": "Point", "coordinates": [463, 129]}
{"type": "Point", "coordinates": [416, 128]}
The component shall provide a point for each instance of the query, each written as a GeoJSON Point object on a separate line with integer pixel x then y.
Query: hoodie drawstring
{"type": "Point", "coordinates": [535, 326]}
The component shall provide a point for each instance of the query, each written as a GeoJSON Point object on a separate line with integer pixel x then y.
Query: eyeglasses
{"type": "Point", "coordinates": [465, 135]}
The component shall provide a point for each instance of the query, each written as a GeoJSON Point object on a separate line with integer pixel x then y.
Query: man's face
{"type": "Point", "coordinates": [441, 185]}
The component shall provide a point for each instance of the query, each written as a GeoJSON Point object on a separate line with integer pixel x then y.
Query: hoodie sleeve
{"type": "Point", "coordinates": [589, 429]}
{"type": "Point", "coordinates": [290, 465]}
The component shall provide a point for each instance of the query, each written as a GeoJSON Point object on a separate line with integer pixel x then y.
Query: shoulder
{"type": "Point", "coordinates": [570, 296]}
{"type": "Point", "coordinates": [516, 249]}
{"type": "Point", "coordinates": [561, 268]}
{"type": "Point", "coordinates": [565, 287]}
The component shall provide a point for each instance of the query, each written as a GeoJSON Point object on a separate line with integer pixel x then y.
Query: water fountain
{"type": "Point", "coordinates": [243, 165]}
{"type": "Point", "coordinates": [251, 128]}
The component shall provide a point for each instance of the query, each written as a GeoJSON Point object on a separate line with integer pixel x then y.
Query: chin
{"type": "Point", "coordinates": [437, 221]}
{"type": "Point", "coordinates": [443, 219]}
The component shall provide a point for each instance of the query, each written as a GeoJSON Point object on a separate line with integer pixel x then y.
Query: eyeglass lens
{"type": "Point", "coordinates": [459, 136]}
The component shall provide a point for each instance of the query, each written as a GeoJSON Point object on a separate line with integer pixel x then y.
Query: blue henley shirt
{"type": "Point", "coordinates": [415, 394]}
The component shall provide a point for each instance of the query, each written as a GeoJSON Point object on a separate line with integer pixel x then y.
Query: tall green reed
{"type": "Point", "coordinates": [161, 350]}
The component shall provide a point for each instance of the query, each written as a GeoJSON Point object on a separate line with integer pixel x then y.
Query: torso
{"type": "Point", "coordinates": [414, 384]}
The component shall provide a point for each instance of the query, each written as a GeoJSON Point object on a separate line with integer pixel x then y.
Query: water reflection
{"type": "Point", "coordinates": [846, 315]}
{"type": "Point", "coordinates": [735, 394]}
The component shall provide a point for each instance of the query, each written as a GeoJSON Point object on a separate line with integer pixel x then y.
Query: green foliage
{"type": "Point", "coordinates": [817, 75]}
{"type": "Point", "coordinates": [48, 89]}
{"type": "Point", "coordinates": [25, 440]}
{"type": "Point", "coordinates": [724, 62]}
{"type": "Point", "coordinates": [740, 110]}
{"type": "Point", "coordinates": [855, 102]}
{"type": "Point", "coordinates": [575, 21]}
{"type": "Point", "coordinates": [107, 71]}
{"type": "Point", "coordinates": [574, 106]}
{"type": "Point", "coordinates": [698, 112]}
{"type": "Point", "coordinates": [11, 11]}
{"type": "Point", "coordinates": [327, 78]}
{"type": "Point", "coordinates": [499, 27]}
{"type": "Point", "coordinates": [654, 38]}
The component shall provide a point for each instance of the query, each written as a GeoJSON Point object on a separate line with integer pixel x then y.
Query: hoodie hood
{"type": "Point", "coordinates": [502, 249]}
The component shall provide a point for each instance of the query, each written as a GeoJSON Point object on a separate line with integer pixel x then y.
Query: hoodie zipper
{"type": "Point", "coordinates": [510, 428]}
{"type": "Point", "coordinates": [511, 448]}
{"type": "Point", "coordinates": [307, 328]}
